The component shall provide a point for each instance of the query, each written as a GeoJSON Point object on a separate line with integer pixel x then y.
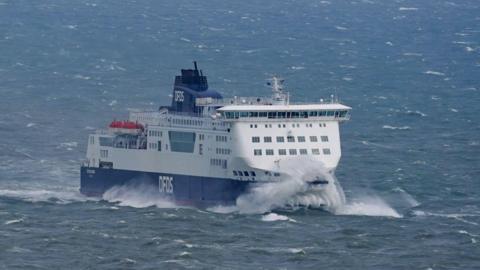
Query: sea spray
{"type": "Point", "coordinates": [294, 189]}
{"type": "Point", "coordinates": [138, 196]}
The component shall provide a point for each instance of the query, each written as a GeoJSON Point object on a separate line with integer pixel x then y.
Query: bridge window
{"type": "Point", "coordinates": [257, 152]}
{"type": "Point", "coordinates": [301, 138]}
{"type": "Point", "coordinates": [312, 113]}
{"type": "Point", "coordinates": [280, 139]}
{"type": "Point", "coordinates": [292, 152]}
{"type": "Point", "coordinates": [267, 139]}
{"type": "Point", "coordinates": [269, 152]}
{"type": "Point", "coordinates": [324, 138]}
{"type": "Point", "coordinates": [255, 139]}
{"type": "Point", "coordinates": [326, 151]}
{"type": "Point", "coordinates": [262, 114]}
{"type": "Point", "coordinates": [245, 173]}
{"type": "Point", "coordinates": [303, 151]}
{"type": "Point", "coordinates": [282, 152]}
{"type": "Point", "coordinates": [105, 141]}
{"type": "Point", "coordinates": [290, 139]}
{"type": "Point", "coordinates": [315, 151]}
{"type": "Point", "coordinates": [313, 139]}
{"type": "Point", "coordinates": [235, 173]}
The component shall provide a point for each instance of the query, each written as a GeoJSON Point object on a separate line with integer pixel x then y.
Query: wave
{"type": "Point", "coordinates": [44, 195]}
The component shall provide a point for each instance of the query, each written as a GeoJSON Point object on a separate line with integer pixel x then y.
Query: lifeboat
{"type": "Point", "coordinates": [126, 127]}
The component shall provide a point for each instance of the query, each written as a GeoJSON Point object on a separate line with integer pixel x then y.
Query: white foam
{"type": "Point", "coordinates": [407, 8]}
{"type": "Point", "coordinates": [43, 195]}
{"type": "Point", "coordinates": [139, 196]}
{"type": "Point", "coordinates": [294, 190]}
{"type": "Point", "coordinates": [274, 217]}
{"type": "Point", "coordinates": [31, 124]}
{"type": "Point", "coordinates": [368, 206]}
{"type": "Point", "coordinates": [13, 221]}
{"type": "Point", "coordinates": [395, 128]}
{"type": "Point", "coordinates": [436, 73]}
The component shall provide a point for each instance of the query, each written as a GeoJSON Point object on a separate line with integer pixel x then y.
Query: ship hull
{"type": "Point", "coordinates": [182, 189]}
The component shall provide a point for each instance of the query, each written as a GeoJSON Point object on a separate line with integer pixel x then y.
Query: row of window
{"type": "Point", "coordinates": [218, 162]}
{"type": "Point", "coordinates": [292, 152]}
{"type": "Point", "coordinates": [190, 122]}
{"type": "Point", "coordinates": [281, 139]}
{"type": "Point", "coordinates": [244, 173]}
{"type": "Point", "coordinates": [155, 133]}
{"type": "Point", "coordinates": [220, 138]}
{"type": "Point", "coordinates": [286, 114]}
{"type": "Point", "coordinates": [104, 153]}
{"type": "Point", "coordinates": [223, 151]}
{"type": "Point", "coordinates": [294, 125]}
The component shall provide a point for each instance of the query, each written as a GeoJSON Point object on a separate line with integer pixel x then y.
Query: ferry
{"type": "Point", "coordinates": [204, 149]}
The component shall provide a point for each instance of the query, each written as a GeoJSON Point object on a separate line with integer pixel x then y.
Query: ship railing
{"type": "Point", "coordinates": [215, 102]}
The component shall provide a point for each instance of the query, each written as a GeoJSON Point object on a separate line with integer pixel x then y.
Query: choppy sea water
{"type": "Point", "coordinates": [410, 168]}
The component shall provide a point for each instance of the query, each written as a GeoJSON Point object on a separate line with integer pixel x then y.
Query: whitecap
{"type": "Point", "coordinates": [275, 217]}
{"type": "Point", "coordinates": [112, 103]}
{"type": "Point", "coordinates": [407, 8]}
{"type": "Point", "coordinates": [341, 28]}
{"type": "Point", "coordinates": [297, 67]}
{"type": "Point", "coordinates": [368, 206]}
{"type": "Point", "coordinates": [13, 221]}
{"type": "Point", "coordinates": [436, 73]}
{"type": "Point", "coordinates": [395, 128]}
{"type": "Point", "coordinates": [138, 196]}
{"type": "Point", "coordinates": [412, 54]}
{"type": "Point", "coordinates": [31, 124]}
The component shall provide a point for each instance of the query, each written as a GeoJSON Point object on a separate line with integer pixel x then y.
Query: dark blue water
{"type": "Point", "coordinates": [411, 152]}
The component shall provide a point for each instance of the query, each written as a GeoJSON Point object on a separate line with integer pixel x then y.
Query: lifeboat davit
{"type": "Point", "coordinates": [126, 127]}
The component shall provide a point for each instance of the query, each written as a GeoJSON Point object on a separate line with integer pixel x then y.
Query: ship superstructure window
{"type": "Point", "coordinates": [290, 139]}
{"type": "Point", "coordinates": [92, 139]}
{"type": "Point", "coordinates": [280, 139]}
{"type": "Point", "coordinates": [255, 139]}
{"type": "Point", "coordinates": [104, 153]}
{"type": "Point", "coordinates": [269, 152]}
{"type": "Point", "coordinates": [292, 152]}
{"type": "Point", "coordinates": [257, 152]}
{"type": "Point", "coordinates": [287, 114]}
{"type": "Point", "coordinates": [326, 151]}
{"type": "Point", "coordinates": [222, 151]}
{"type": "Point", "coordinates": [315, 151]}
{"type": "Point", "coordinates": [313, 139]}
{"type": "Point", "coordinates": [282, 152]}
{"type": "Point", "coordinates": [324, 138]}
{"type": "Point", "coordinates": [301, 138]}
{"type": "Point", "coordinates": [303, 151]}
{"type": "Point", "coordinates": [152, 145]}
{"type": "Point", "coordinates": [267, 139]}
{"type": "Point", "coordinates": [159, 146]}
{"type": "Point", "coordinates": [218, 162]}
{"type": "Point", "coordinates": [105, 141]}
{"type": "Point", "coordinates": [181, 141]}
{"type": "Point", "coordinates": [220, 138]}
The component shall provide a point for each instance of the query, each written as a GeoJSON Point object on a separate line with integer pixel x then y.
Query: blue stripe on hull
{"type": "Point", "coordinates": [186, 189]}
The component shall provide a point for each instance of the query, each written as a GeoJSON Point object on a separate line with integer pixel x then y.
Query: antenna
{"type": "Point", "coordinates": [279, 97]}
{"type": "Point", "coordinates": [195, 64]}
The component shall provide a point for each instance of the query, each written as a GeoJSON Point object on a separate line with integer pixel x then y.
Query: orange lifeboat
{"type": "Point", "coordinates": [127, 127]}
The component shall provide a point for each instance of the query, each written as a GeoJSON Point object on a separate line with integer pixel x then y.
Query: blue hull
{"type": "Point", "coordinates": [183, 189]}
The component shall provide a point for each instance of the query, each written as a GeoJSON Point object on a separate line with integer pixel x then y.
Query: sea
{"type": "Point", "coordinates": [410, 166]}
